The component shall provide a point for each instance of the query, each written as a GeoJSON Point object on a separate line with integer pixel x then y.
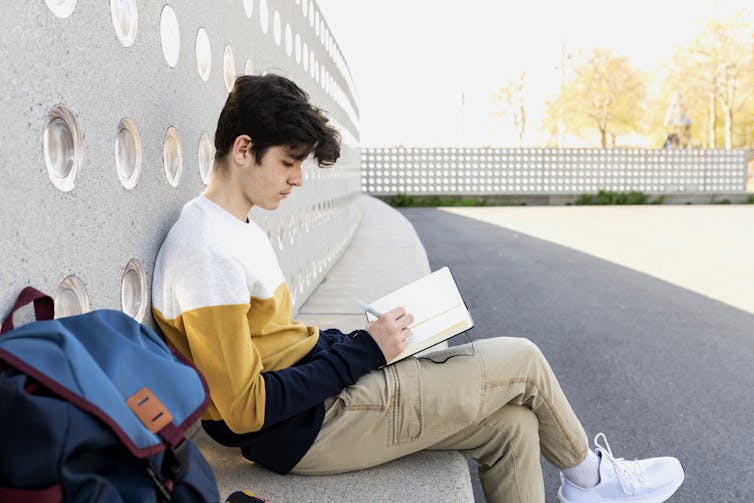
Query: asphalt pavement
{"type": "Point", "coordinates": [660, 369]}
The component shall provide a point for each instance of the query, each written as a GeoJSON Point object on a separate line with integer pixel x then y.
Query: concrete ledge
{"type": "Point", "coordinates": [422, 477]}
{"type": "Point", "coordinates": [385, 254]}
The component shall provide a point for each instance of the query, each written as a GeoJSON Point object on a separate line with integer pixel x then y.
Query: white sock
{"type": "Point", "coordinates": [587, 473]}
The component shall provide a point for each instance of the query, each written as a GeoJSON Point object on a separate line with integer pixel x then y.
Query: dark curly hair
{"type": "Point", "coordinates": [274, 111]}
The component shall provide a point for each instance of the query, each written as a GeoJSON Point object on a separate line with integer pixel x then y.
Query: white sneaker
{"type": "Point", "coordinates": [652, 480]}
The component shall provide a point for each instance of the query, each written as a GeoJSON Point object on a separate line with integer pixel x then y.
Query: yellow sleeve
{"type": "Point", "coordinates": [221, 348]}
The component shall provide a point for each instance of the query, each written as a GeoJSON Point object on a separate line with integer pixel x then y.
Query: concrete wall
{"type": "Point", "coordinates": [78, 240]}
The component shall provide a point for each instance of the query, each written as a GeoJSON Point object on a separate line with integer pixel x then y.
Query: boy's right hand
{"type": "Point", "coordinates": [390, 331]}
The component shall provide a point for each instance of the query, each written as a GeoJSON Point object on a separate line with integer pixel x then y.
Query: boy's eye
{"type": "Point", "coordinates": [288, 164]}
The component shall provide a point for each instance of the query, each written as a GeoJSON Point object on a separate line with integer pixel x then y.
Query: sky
{"type": "Point", "coordinates": [425, 70]}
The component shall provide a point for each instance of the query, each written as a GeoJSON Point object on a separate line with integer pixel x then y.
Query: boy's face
{"type": "Point", "coordinates": [269, 181]}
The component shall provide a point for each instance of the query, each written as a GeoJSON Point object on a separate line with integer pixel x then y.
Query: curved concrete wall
{"type": "Point", "coordinates": [107, 61]}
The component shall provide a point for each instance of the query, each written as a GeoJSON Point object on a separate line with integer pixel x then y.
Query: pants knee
{"type": "Point", "coordinates": [518, 421]}
{"type": "Point", "coordinates": [527, 350]}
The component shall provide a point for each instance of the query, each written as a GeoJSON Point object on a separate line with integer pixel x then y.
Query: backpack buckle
{"type": "Point", "coordinates": [175, 461]}
{"type": "Point", "coordinates": [158, 480]}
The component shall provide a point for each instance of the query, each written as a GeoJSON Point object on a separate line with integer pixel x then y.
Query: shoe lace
{"type": "Point", "coordinates": [630, 473]}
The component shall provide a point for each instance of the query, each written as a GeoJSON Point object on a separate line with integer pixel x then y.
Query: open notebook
{"type": "Point", "coordinates": [438, 309]}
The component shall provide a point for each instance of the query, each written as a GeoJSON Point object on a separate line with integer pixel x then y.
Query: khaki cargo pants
{"type": "Point", "coordinates": [498, 400]}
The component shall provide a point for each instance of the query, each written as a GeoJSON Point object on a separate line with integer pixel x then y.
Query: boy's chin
{"type": "Point", "coordinates": [270, 205]}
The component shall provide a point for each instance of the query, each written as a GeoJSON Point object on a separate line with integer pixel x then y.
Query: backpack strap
{"type": "Point", "coordinates": [44, 307]}
{"type": "Point", "coordinates": [158, 419]}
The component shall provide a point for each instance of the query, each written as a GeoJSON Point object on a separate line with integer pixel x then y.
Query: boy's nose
{"type": "Point", "coordinates": [297, 178]}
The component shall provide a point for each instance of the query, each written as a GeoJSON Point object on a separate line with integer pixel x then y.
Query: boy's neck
{"type": "Point", "coordinates": [226, 193]}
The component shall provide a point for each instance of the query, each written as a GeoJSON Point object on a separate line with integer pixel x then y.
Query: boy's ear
{"type": "Point", "coordinates": [242, 149]}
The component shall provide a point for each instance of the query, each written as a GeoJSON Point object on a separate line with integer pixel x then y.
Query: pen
{"type": "Point", "coordinates": [369, 308]}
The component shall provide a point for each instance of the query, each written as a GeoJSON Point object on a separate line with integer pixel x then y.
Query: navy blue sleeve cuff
{"type": "Point", "coordinates": [295, 389]}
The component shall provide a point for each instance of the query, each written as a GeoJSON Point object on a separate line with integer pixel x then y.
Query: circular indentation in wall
{"type": "Point", "coordinates": [128, 153]}
{"type": "Point", "coordinates": [229, 68]}
{"type": "Point", "coordinates": [288, 40]}
{"type": "Point", "coordinates": [133, 290]}
{"type": "Point", "coordinates": [301, 283]}
{"type": "Point", "coordinates": [292, 228]}
{"type": "Point", "coordinates": [277, 30]}
{"type": "Point", "coordinates": [206, 156]}
{"type": "Point", "coordinates": [264, 16]}
{"type": "Point", "coordinates": [125, 20]}
{"type": "Point", "coordinates": [61, 8]}
{"type": "Point", "coordinates": [268, 229]}
{"type": "Point", "coordinates": [62, 148]}
{"type": "Point", "coordinates": [71, 298]}
{"type": "Point", "coordinates": [281, 234]}
{"type": "Point", "coordinates": [203, 54]}
{"type": "Point", "coordinates": [172, 156]}
{"type": "Point", "coordinates": [292, 289]}
{"type": "Point", "coordinates": [170, 36]}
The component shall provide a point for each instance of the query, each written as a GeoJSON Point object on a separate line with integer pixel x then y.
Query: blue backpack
{"type": "Point", "coordinates": [95, 408]}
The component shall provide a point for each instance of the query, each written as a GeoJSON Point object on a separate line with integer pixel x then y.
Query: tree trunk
{"type": "Point", "coordinates": [521, 126]}
{"type": "Point", "coordinates": [747, 143]}
{"type": "Point", "coordinates": [712, 123]}
{"type": "Point", "coordinates": [728, 123]}
{"type": "Point", "coordinates": [603, 137]}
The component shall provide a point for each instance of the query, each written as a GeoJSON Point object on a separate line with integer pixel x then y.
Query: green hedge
{"type": "Point", "coordinates": [403, 200]}
{"type": "Point", "coordinates": [604, 197]}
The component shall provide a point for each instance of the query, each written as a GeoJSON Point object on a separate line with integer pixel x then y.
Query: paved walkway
{"type": "Point", "coordinates": [658, 368]}
{"type": "Point", "coordinates": [706, 249]}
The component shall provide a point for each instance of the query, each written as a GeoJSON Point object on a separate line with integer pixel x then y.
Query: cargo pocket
{"type": "Point", "coordinates": [406, 413]}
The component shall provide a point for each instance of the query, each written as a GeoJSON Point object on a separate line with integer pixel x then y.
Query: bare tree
{"type": "Point", "coordinates": [510, 101]}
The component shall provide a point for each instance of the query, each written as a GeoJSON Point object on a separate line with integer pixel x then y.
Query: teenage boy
{"type": "Point", "coordinates": [296, 398]}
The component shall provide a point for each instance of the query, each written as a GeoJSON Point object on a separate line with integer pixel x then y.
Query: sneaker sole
{"type": "Point", "coordinates": [654, 499]}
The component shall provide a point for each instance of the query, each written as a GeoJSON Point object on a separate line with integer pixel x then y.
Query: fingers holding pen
{"type": "Point", "coordinates": [400, 317]}
{"type": "Point", "coordinates": [400, 322]}
{"type": "Point", "coordinates": [390, 331]}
